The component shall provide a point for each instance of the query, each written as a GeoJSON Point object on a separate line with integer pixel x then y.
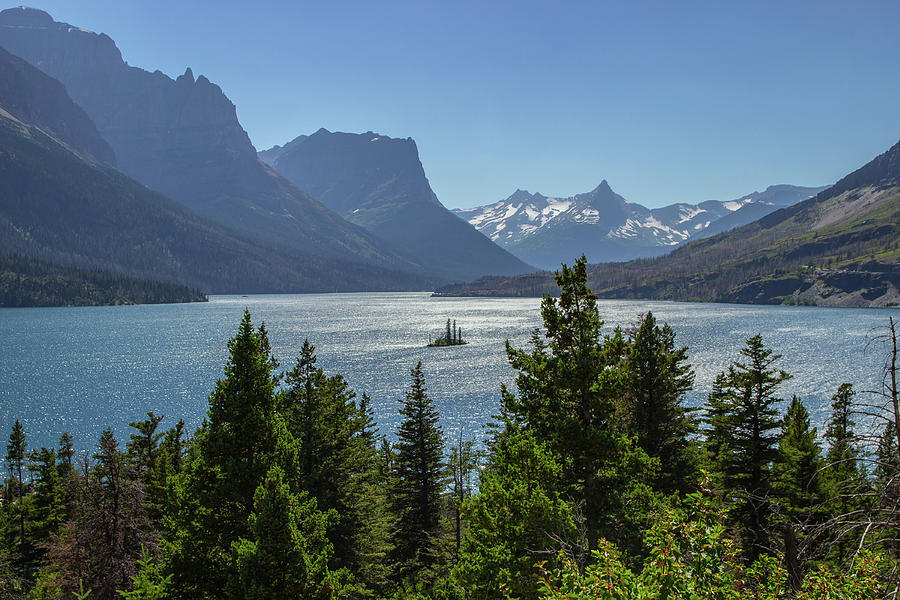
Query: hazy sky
{"type": "Point", "coordinates": [668, 101]}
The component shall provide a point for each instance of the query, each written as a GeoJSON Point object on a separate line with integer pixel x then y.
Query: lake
{"type": "Point", "coordinates": [83, 369]}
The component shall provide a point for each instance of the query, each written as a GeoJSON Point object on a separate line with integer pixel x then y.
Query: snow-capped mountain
{"type": "Point", "coordinates": [605, 227]}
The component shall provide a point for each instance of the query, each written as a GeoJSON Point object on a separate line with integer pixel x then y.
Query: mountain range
{"type": "Point", "coordinates": [181, 137]}
{"type": "Point", "coordinates": [378, 183]}
{"type": "Point", "coordinates": [61, 204]}
{"type": "Point", "coordinates": [838, 248]}
{"type": "Point", "coordinates": [546, 231]}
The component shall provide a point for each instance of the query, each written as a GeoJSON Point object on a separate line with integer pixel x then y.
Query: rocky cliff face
{"type": "Point", "coordinates": [182, 137]}
{"type": "Point", "coordinates": [33, 97]}
{"type": "Point", "coordinates": [379, 183]}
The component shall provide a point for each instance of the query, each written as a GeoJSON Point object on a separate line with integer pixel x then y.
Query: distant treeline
{"type": "Point", "coordinates": [30, 282]}
{"type": "Point", "coordinates": [596, 482]}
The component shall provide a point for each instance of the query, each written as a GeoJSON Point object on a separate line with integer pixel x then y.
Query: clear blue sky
{"type": "Point", "coordinates": [668, 101]}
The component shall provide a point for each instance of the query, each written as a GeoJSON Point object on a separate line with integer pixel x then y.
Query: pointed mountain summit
{"type": "Point", "coordinates": [378, 182]}
{"type": "Point", "coordinates": [182, 137]}
{"type": "Point", "coordinates": [838, 248]}
{"type": "Point", "coordinates": [547, 231]}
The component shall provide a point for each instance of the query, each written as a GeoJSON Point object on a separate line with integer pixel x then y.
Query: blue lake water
{"type": "Point", "coordinates": [83, 369]}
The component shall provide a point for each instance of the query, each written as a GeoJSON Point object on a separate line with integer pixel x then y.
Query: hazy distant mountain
{"type": "Point", "coordinates": [839, 248]}
{"type": "Point", "coordinates": [33, 97]}
{"type": "Point", "coordinates": [605, 227]}
{"type": "Point", "coordinates": [59, 204]}
{"type": "Point", "coordinates": [182, 137]}
{"type": "Point", "coordinates": [379, 183]}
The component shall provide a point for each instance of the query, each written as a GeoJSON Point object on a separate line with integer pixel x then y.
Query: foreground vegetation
{"type": "Point", "coordinates": [597, 482]}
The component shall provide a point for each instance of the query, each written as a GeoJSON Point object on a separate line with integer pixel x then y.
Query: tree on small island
{"type": "Point", "coordinates": [452, 336]}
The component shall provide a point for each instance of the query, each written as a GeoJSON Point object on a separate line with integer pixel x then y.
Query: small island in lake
{"type": "Point", "coordinates": [452, 337]}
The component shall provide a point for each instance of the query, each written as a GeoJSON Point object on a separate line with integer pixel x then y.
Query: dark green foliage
{"type": "Point", "coordinates": [516, 520]}
{"type": "Point", "coordinates": [797, 480]}
{"type": "Point", "coordinates": [568, 392]}
{"type": "Point", "coordinates": [286, 556]}
{"type": "Point", "coordinates": [656, 378]}
{"type": "Point", "coordinates": [241, 440]}
{"type": "Point", "coordinates": [418, 485]}
{"type": "Point", "coordinates": [338, 459]}
{"type": "Point", "coordinates": [30, 282]}
{"type": "Point", "coordinates": [743, 436]}
{"type": "Point", "coordinates": [844, 474]}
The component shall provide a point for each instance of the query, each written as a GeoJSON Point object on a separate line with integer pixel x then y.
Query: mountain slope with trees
{"type": "Point", "coordinates": [839, 248]}
{"type": "Point", "coordinates": [181, 137]}
{"type": "Point", "coordinates": [69, 210]}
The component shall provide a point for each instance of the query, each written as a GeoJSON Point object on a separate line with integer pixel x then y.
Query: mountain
{"type": "Point", "coordinates": [605, 227]}
{"type": "Point", "coordinates": [181, 137]}
{"type": "Point", "coordinates": [43, 101]}
{"type": "Point", "coordinates": [60, 205]}
{"type": "Point", "coordinates": [839, 248]}
{"type": "Point", "coordinates": [379, 183]}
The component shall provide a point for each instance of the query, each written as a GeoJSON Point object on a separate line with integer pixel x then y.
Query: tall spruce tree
{"type": "Point", "coordinates": [419, 482]}
{"type": "Point", "coordinates": [16, 450]}
{"type": "Point", "coordinates": [569, 387]}
{"type": "Point", "coordinates": [844, 474]}
{"type": "Point", "coordinates": [243, 436]}
{"type": "Point", "coordinates": [338, 457]}
{"type": "Point", "coordinates": [743, 436]}
{"type": "Point", "coordinates": [656, 379]}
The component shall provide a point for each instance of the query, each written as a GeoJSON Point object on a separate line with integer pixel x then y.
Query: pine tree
{"type": "Point", "coordinates": [286, 556]}
{"type": "Point", "coordinates": [568, 389]}
{"type": "Point", "coordinates": [656, 379]}
{"type": "Point", "coordinates": [16, 449]}
{"type": "Point", "coordinates": [844, 473]}
{"type": "Point", "coordinates": [338, 454]}
{"type": "Point", "coordinates": [515, 521]}
{"type": "Point", "coordinates": [744, 434]}
{"type": "Point", "coordinates": [797, 480]}
{"type": "Point", "coordinates": [419, 473]}
{"type": "Point", "coordinates": [242, 438]}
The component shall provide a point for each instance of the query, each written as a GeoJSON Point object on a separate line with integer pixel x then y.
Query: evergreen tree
{"type": "Point", "coordinates": [419, 482]}
{"type": "Point", "coordinates": [338, 456]}
{"type": "Point", "coordinates": [568, 389]}
{"type": "Point", "coordinates": [744, 434]}
{"type": "Point", "coordinates": [462, 463]}
{"type": "Point", "coordinates": [98, 550]}
{"type": "Point", "coordinates": [49, 496]}
{"type": "Point", "coordinates": [797, 480]}
{"type": "Point", "coordinates": [242, 438]}
{"type": "Point", "coordinates": [16, 449]}
{"type": "Point", "coordinates": [656, 378]}
{"type": "Point", "coordinates": [143, 454]}
{"type": "Point", "coordinates": [515, 521]}
{"type": "Point", "coordinates": [287, 554]}
{"type": "Point", "coordinates": [844, 473]}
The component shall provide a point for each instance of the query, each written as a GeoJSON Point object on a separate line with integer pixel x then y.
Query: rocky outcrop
{"type": "Point", "coordinates": [378, 182]}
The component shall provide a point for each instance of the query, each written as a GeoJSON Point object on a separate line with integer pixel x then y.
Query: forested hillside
{"type": "Point", "coordinates": [597, 482]}
{"type": "Point", "coordinates": [29, 282]}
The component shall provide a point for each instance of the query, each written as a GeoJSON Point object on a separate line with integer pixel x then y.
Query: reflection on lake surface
{"type": "Point", "coordinates": [83, 369]}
